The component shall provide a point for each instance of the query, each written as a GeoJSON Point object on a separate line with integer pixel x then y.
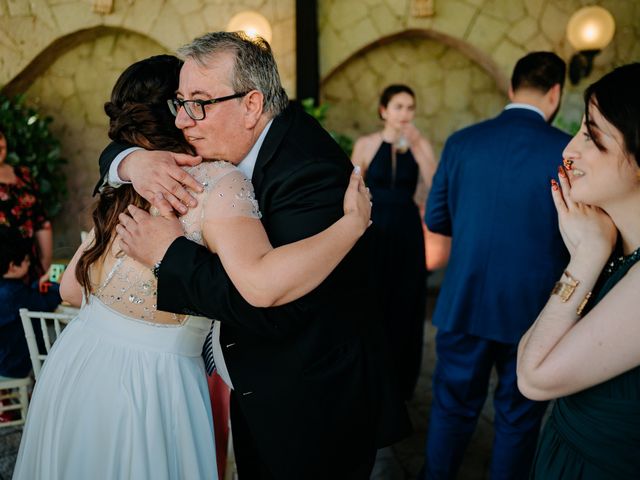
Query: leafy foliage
{"type": "Point", "coordinates": [30, 143]}
{"type": "Point", "coordinates": [319, 112]}
{"type": "Point", "coordinates": [568, 125]}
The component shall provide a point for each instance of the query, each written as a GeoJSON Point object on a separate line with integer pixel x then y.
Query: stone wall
{"type": "Point", "coordinates": [73, 90]}
{"type": "Point", "coordinates": [366, 44]}
{"type": "Point", "coordinates": [67, 58]}
{"type": "Point", "coordinates": [28, 28]}
{"type": "Point", "coordinates": [451, 90]}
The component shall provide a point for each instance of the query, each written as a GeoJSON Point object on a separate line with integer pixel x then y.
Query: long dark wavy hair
{"type": "Point", "coordinates": [138, 115]}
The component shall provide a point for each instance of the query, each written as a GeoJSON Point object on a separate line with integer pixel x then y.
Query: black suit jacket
{"type": "Point", "coordinates": [310, 376]}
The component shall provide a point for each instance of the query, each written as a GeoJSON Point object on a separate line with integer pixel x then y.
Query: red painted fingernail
{"type": "Point", "coordinates": [561, 172]}
{"type": "Point", "coordinates": [554, 184]}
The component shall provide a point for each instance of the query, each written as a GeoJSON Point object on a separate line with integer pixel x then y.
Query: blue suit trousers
{"type": "Point", "coordinates": [460, 385]}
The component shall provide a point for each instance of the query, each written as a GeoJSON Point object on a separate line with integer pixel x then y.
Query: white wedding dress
{"type": "Point", "coordinates": [123, 393]}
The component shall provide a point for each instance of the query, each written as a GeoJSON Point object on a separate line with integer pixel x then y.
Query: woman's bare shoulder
{"type": "Point", "coordinates": [209, 173]}
{"type": "Point", "coordinates": [370, 139]}
{"type": "Point", "coordinates": [366, 145]}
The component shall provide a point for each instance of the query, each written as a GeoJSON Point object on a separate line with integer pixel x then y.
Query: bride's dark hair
{"type": "Point", "coordinates": [138, 115]}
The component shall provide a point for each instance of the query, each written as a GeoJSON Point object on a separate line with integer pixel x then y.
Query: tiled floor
{"type": "Point", "coordinates": [409, 452]}
{"type": "Point", "coordinates": [9, 442]}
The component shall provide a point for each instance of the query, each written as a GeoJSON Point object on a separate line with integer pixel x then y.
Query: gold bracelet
{"type": "Point", "coordinates": [574, 282]}
{"type": "Point", "coordinates": [565, 289]}
{"type": "Point", "coordinates": [583, 304]}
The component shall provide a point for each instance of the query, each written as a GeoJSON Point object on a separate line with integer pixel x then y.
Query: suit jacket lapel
{"type": "Point", "coordinates": [272, 141]}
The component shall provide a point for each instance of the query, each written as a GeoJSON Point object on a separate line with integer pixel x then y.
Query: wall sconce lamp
{"type": "Point", "coordinates": [251, 23]}
{"type": "Point", "coordinates": [589, 30]}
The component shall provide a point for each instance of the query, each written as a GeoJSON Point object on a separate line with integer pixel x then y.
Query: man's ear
{"type": "Point", "coordinates": [553, 95]}
{"type": "Point", "coordinates": [254, 104]}
{"type": "Point", "coordinates": [510, 93]}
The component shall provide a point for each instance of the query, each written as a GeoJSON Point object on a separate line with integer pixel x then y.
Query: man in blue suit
{"type": "Point", "coordinates": [491, 194]}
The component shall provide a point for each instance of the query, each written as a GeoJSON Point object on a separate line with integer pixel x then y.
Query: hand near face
{"type": "Point", "coordinates": [146, 238]}
{"type": "Point", "coordinates": [411, 133]}
{"type": "Point", "coordinates": [160, 172]}
{"type": "Point", "coordinates": [583, 228]}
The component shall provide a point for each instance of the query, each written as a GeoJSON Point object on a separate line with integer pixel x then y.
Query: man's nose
{"type": "Point", "coordinates": [183, 120]}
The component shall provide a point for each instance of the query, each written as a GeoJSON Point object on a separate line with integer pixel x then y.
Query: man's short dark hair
{"type": "Point", "coordinates": [538, 70]}
{"type": "Point", "coordinates": [13, 248]}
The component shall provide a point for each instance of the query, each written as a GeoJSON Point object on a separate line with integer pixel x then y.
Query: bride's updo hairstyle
{"type": "Point", "coordinates": [138, 115]}
{"type": "Point", "coordinates": [617, 98]}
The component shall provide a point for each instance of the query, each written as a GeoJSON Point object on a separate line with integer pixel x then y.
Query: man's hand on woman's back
{"type": "Point", "coordinates": [153, 172]}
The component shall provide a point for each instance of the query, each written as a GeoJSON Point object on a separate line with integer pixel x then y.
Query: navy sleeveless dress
{"type": "Point", "coordinates": [399, 260]}
{"type": "Point", "coordinates": [595, 434]}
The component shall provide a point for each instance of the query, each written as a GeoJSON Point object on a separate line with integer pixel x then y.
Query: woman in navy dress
{"type": "Point", "coordinates": [392, 161]}
{"type": "Point", "coordinates": [583, 349]}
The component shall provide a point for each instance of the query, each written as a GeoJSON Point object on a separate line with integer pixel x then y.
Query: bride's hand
{"type": "Point", "coordinates": [583, 228]}
{"type": "Point", "coordinates": [357, 200]}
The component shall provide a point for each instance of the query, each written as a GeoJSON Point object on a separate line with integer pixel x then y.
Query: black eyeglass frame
{"type": "Point", "coordinates": [175, 104]}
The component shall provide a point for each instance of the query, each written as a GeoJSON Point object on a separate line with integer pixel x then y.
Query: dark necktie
{"type": "Point", "coordinates": [207, 353]}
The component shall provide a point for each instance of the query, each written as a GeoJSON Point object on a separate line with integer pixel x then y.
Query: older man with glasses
{"type": "Point", "coordinates": [311, 396]}
{"type": "Point", "coordinates": [195, 108]}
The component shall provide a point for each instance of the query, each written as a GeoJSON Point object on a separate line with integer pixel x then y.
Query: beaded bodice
{"type": "Point", "coordinates": [130, 287]}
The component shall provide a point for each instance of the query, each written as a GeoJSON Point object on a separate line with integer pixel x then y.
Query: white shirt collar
{"type": "Point", "coordinates": [526, 106]}
{"type": "Point", "coordinates": [248, 163]}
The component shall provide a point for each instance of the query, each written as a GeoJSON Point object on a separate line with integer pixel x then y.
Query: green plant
{"type": "Point", "coordinates": [567, 125]}
{"type": "Point", "coordinates": [31, 143]}
{"type": "Point", "coordinates": [319, 112]}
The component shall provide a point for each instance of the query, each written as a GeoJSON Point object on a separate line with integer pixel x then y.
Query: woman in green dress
{"type": "Point", "coordinates": [584, 347]}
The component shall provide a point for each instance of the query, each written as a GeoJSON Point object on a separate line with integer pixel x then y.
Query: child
{"type": "Point", "coordinates": [16, 294]}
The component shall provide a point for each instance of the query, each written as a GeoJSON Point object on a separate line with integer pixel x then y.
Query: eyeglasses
{"type": "Point", "coordinates": [195, 108]}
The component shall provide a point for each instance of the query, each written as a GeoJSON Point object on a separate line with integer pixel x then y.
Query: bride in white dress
{"type": "Point", "coordinates": [123, 393]}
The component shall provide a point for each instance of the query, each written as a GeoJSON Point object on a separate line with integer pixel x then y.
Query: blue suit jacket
{"type": "Point", "coordinates": [491, 194]}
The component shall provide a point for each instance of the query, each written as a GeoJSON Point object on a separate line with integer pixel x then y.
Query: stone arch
{"type": "Point", "coordinates": [455, 83]}
{"type": "Point", "coordinates": [471, 52]}
{"type": "Point", "coordinates": [72, 89]}
{"type": "Point", "coordinates": [56, 49]}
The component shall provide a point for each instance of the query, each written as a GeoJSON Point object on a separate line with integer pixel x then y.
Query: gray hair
{"type": "Point", "coordinates": [254, 66]}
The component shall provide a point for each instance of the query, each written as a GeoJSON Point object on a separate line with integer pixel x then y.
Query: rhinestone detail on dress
{"type": "Point", "coordinates": [622, 260]}
{"type": "Point", "coordinates": [130, 288]}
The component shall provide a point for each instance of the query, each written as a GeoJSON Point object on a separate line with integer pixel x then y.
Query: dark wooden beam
{"type": "Point", "coordinates": [307, 69]}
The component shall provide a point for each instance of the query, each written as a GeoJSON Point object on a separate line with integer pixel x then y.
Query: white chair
{"type": "Point", "coordinates": [14, 396]}
{"type": "Point", "coordinates": [51, 325]}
